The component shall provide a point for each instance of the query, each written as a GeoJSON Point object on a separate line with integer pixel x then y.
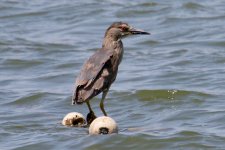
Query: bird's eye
{"type": "Point", "coordinates": [124, 29]}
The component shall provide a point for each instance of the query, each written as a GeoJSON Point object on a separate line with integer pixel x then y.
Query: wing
{"type": "Point", "coordinates": [91, 69]}
{"type": "Point", "coordinates": [93, 66]}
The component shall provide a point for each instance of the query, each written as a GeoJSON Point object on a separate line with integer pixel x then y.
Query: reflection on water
{"type": "Point", "coordinates": [168, 93]}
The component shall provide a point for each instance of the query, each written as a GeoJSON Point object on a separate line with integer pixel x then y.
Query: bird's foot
{"type": "Point", "coordinates": [90, 117]}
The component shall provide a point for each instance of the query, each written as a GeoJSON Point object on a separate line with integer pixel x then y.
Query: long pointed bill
{"type": "Point", "coordinates": [134, 31]}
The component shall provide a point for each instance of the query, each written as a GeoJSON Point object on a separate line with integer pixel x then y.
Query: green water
{"type": "Point", "coordinates": [169, 92]}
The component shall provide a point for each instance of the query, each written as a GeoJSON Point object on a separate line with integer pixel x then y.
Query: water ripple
{"type": "Point", "coordinates": [169, 92]}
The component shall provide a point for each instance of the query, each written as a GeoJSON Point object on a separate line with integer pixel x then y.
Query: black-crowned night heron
{"type": "Point", "coordinates": [100, 70]}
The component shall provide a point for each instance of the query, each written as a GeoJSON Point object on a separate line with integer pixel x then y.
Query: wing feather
{"type": "Point", "coordinates": [91, 69]}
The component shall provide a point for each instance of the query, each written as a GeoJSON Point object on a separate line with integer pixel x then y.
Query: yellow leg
{"type": "Point", "coordinates": [102, 101]}
{"type": "Point", "coordinates": [89, 106]}
{"type": "Point", "coordinates": [91, 115]}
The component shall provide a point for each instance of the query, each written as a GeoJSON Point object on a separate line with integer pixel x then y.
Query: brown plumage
{"type": "Point", "coordinates": [94, 76]}
{"type": "Point", "coordinates": [100, 70]}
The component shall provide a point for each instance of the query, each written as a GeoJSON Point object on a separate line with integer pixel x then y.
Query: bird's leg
{"type": "Point", "coordinates": [102, 101]}
{"type": "Point", "coordinates": [91, 115]}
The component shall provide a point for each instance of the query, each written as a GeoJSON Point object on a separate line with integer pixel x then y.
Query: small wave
{"type": "Point", "coordinates": [29, 99]}
{"type": "Point", "coordinates": [148, 95]}
{"type": "Point", "coordinates": [21, 63]}
{"type": "Point", "coordinates": [26, 14]}
{"type": "Point", "coordinates": [191, 5]}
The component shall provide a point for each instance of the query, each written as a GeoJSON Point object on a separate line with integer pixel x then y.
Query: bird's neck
{"type": "Point", "coordinates": [116, 45]}
{"type": "Point", "coordinates": [112, 43]}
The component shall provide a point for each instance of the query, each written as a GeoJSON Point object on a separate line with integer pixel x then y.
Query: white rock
{"type": "Point", "coordinates": [103, 125]}
{"type": "Point", "coordinates": [74, 119]}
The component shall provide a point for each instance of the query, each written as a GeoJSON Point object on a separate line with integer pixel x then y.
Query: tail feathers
{"type": "Point", "coordinates": [81, 95]}
{"type": "Point", "coordinates": [77, 96]}
{"type": "Point", "coordinates": [76, 100]}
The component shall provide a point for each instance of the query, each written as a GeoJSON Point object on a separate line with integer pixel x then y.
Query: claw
{"type": "Point", "coordinates": [90, 117]}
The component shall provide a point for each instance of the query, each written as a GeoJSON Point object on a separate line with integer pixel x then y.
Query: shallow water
{"type": "Point", "coordinates": [169, 92]}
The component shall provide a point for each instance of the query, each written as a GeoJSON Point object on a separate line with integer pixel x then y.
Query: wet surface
{"type": "Point", "coordinates": [169, 92]}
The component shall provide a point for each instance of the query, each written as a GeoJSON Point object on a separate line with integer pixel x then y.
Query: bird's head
{"type": "Point", "coordinates": [119, 30]}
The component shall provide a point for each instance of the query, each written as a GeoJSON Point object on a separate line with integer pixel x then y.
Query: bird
{"type": "Point", "coordinates": [100, 70]}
